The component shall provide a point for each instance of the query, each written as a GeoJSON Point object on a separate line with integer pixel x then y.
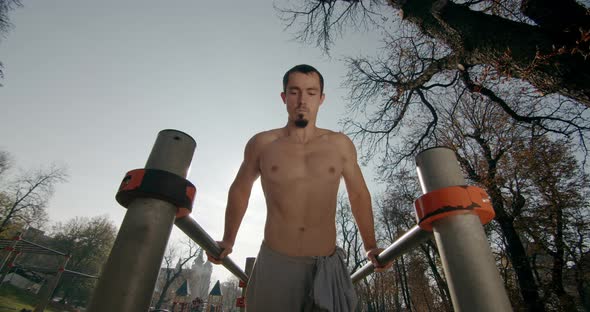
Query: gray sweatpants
{"type": "Point", "coordinates": [283, 283]}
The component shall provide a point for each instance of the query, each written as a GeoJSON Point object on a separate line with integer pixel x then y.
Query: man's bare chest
{"type": "Point", "coordinates": [284, 162]}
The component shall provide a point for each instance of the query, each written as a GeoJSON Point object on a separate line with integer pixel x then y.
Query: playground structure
{"type": "Point", "coordinates": [17, 246]}
{"type": "Point", "coordinates": [159, 196]}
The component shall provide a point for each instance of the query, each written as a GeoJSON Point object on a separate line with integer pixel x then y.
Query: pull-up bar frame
{"type": "Point", "coordinates": [130, 273]}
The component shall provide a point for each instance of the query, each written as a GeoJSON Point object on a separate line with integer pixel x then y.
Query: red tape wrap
{"type": "Point", "coordinates": [453, 200]}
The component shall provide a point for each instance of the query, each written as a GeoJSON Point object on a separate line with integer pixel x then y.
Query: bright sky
{"type": "Point", "coordinates": [89, 84]}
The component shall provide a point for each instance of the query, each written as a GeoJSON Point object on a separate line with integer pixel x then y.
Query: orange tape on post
{"type": "Point", "coordinates": [160, 184]}
{"type": "Point", "coordinates": [450, 201]}
{"type": "Point", "coordinates": [241, 302]}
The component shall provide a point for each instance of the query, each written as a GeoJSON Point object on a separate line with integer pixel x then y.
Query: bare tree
{"type": "Point", "coordinates": [348, 236]}
{"type": "Point", "coordinates": [440, 47]}
{"type": "Point", "coordinates": [541, 42]}
{"type": "Point", "coordinates": [320, 20]}
{"type": "Point", "coordinates": [404, 87]}
{"type": "Point", "coordinates": [26, 197]}
{"type": "Point", "coordinates": [5, 162]}
{"type": "Point", "coordinates": [485, 78]}
{"type": "Point", "coordinates": [578, 251]}
{"type": "Point", "coordinates": [557, 186]}
{"type": "Point", "coordinates": [231, 291]}
{"type": "Point", "coordinates": [5, 7]}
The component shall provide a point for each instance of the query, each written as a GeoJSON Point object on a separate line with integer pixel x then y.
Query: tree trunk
{"type": "Point", "coordinates": [518, 257]}
{"type": "Point", "coordinates": [7, 218]}
{"type": "Point", "coordinates": [162, 296]}
{"type": "Point", "coordinates": [443, 287]}
{"type": "Point", "coordinates": [404, 281]}
{"type": "Point", "coordinates": [528, 287]}
{"type": "Point", "coordinates": [583, 289]}
{"type": "Point", "coordinates": [565, 300]}
{"type": "Point", "coordinates": [167, 285]}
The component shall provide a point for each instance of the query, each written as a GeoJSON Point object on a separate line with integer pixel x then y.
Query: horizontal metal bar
{"type": "Point", "coordinates": [42, 247]}
{"type": "Point", "coordinates": [36, 269]}
{"type": "Point", "coordinates": [6, 242]}
{"type": "Point", "coordinates": [52, 271]}
{"type": "Point", "coordinates": [34, 250]}
{"type": "Point", "coordinates": [191, 228]}
{"type": "Point", "coordinates": [79, 274]}
{"type": "Point", "coordinates": [410, 240]}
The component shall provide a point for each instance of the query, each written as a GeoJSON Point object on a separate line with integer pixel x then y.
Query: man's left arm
{"type": "Point", "coordinates": [360, 201]}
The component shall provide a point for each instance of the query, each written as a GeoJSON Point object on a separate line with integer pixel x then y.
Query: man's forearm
{"type": "Point", "coordinates": [237, 203]}
{"type": "Point", "coordinates": [363, 214]}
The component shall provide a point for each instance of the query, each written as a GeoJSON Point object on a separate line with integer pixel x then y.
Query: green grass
{"type": "Point", "coordinates": [15, 299]}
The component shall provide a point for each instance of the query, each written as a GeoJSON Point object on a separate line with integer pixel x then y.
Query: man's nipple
{"type": "Point", "coordinates": [274, 168]}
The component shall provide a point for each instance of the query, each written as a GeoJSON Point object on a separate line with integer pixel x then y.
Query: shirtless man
{"type": "Point", "coordinates": [299, 267]}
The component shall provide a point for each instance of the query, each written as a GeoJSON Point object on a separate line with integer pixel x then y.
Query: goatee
{"type": "Point", "coordinates": [301, 123]}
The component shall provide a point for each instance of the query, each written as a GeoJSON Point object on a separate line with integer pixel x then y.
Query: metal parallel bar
{"type": "Point", "coordinates": [35, 269]}
{"type": "Point", "coordinates": [79, 274]}
{"type": "Point", "coordinates": [52, 271]}
{"type": "Point", "coordinates": [35, 250]}
{"type": "Point", "coordinates": [10, 262]}
{"type": "Point", "coordinates": [191, 228]}
{"type": "Point", "coordinates": [9, 255]}
{"type": "Point", "coordinates": [6, 242]}
{"type": "Point", "coordinates": [129, 277]}
{"type": "Point", "coordinates": [42, 247]}
{"type": "Point", "coordinates": [469, 266]}
{"type": "Point", "coordinates": [410, 240]}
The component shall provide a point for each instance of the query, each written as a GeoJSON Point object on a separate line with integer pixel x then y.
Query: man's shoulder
{"type": "Point", "coordinates": [336, 136]}
{"type": "Point", "coordinates": [261, 139]}
{"type": "Point", "coordinates": [342, 142]}
{"type": "Point", "coordinates": [267, 136]}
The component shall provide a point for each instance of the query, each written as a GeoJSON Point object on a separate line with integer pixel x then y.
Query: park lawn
{"type": "Point", "coordinates": [15, 299]}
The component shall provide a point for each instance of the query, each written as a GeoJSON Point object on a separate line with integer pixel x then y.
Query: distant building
{"type": "Point", "coordinates": [182, 301]}
{"type": "Point", "coordinates": [198, 278]}
{"type": "Point", "coordinates": [201, 277]}
{"type": "Point", "coordinates": [215, 300]}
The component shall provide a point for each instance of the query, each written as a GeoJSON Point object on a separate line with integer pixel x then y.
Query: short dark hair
{"type": "Point", "coordinates": [305, 69]}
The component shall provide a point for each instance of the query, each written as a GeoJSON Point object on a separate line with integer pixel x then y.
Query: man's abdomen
{"type": "Point", "coordinates": [296, 239]}
{"type": "Point", "coordinates": [301, 216]}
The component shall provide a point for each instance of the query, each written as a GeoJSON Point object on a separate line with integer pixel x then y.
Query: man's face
{"type": "Point", "coordinates": [303, 98]}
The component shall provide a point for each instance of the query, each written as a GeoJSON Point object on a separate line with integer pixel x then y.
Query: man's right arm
{"type": "Point", "coordinates": [239, 194]}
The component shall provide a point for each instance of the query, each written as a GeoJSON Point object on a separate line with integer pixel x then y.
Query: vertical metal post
{"type": "Point", "coordinates": [48, 294]}
{"type": "Point", "coordinates": [10, 255]}
{"type": "Point", "coordinates": [9, 264]}
{"type": "Point", "coordinates": [129, 276]}
{"type": "Point", "coordinates": [470, 269]}
{"type": "Point", "coordinates": [249, 266]}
